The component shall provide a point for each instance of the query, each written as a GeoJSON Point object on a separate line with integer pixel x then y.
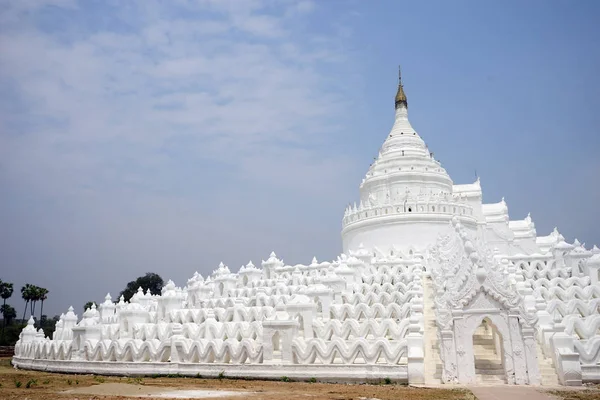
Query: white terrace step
{"type": "Point", "coordinates": [491, 372]}
{"type": "Point", "coordinates": [483, 350]}
{"type": "Point", "coordinates": [491, 378]}
{"type": "Point", "coordinates": [487, 364]}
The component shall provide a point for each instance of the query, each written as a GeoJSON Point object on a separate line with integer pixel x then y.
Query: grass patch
{"type": "Point", "coordinates": [137, 380]}
{"type": "Point", "coordinates": [18, 384]}
{"type": "Point", "coordinates": [313, 380]}
{"type": "Point", "coordinates": [6, 362]}
{"type": "Point", "coordinates": [285, 379]}
{"type": "Point", "coordinates": [221, 375]}
{"type": "Point", "coordinates": [31, 383]}
{"type": "Point", "coordinates": [575, 394]}
{"type": "Point", "coordinates": [99, 379]}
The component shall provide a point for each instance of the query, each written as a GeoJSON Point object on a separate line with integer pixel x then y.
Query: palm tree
{"type": "Point", "coordinates": [43, 295]}
{"type": "Point", "coordinates": [6, 291]}
{"type": "Point", "coordinates": [35, 297]}
{"type": "Point", "coordinates": [8, 313]}
{"type": "Point", "coordinates": [26, 294]}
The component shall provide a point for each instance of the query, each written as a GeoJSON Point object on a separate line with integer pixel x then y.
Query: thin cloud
{"type": "Point", "coordinates": [144, 135]}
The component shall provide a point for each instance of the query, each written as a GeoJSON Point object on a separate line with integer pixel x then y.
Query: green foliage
{"type": "Point", "coordinates": [221, 375]}
{"type": "Point", "coordinates": [11, 334]}
{"type": "Point", "coordinates": [387, 381]}
{"type": "Point", "coordinates": [88, 305]}
{"type": "Point", "coordinates": [6, 290]}
{"type": "Point", "coordinates": [150, 281]}
{"type": "Point", "coordinates": [198, 376]}
{"type": "Point", "coordinates": [313, 380]}
{"type": "Point", "coordinates": [18, 384]}
{"type": "Point", "coordinates": [30, 383]}
{"type": "Point", "coordinates": [8, 313]}
{"type": "Point", "coordinates": [285, 379]}
{"type": "Point", "coordinates": [77, 381]}
{"type": "Point", "coordinates": [32, 294]}
{"type": "Point", "coordinates": [99, 379]}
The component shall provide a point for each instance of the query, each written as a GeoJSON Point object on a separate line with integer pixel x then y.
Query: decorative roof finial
{"type": "Point", "coordinates": [400, 96]}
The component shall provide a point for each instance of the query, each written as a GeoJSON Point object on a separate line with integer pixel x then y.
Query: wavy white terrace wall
{"type": "Point", "coordinates": [362, 318]}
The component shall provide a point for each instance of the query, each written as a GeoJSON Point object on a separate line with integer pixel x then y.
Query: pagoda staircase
{"type": "Point", "coordinates": [547, 371]}
{"type": "Point", "coordinates": [488, 363]}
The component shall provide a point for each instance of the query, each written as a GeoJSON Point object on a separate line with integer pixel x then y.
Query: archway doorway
{"type": "Point", "coordinates": [276, 342]}
{"type": "Point", "coordinates": [488, 354]}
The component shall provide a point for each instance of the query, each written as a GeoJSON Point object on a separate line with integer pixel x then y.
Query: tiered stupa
{"type": "Point", "coordinates": [407, 198]}
{"type": "Point", "coordinates": [432, 287]}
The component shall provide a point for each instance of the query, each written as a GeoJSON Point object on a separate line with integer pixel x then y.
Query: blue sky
{"type": "Point", "coordinates": [168, 136]}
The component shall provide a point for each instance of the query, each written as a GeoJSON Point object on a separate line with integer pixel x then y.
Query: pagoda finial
{"type": "Point", "coordinates": [400, 96]}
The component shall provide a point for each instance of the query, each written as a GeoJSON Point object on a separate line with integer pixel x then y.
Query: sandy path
{"type": "Point", "coordinates": [124, 389]}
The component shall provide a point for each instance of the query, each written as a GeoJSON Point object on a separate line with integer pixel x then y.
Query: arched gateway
{"type": "Point", "coordinates": [471, 286]}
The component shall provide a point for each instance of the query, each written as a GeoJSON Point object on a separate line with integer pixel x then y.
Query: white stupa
{"type": "Point", "coordinates": [407, 198]}
{"type": "Point", "coordinates": [433, 287]}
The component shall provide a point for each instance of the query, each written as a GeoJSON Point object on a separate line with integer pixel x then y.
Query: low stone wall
{"type": "Point", "coordinates": [7, 351]}
{"type": "Point", "coordinates": [324, 373]}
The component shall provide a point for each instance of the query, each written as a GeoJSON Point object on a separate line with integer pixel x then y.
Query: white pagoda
{"type": "Point", "coordinates": [433, 286]}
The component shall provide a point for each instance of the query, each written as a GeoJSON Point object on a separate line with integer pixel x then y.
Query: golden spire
{"type": "Point", "coordinates": [400, 96]}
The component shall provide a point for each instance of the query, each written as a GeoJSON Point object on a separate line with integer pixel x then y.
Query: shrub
{"type": "Point", "coordinates": [99, 379]}
{"type": "Point", "coordinates": [313, 380]}
{"type": "Point", "coordinates": [30, 383]}
{"type": "Point", "coordinates": [387, 381]}
{"type": "Point", "coordinates": [221, 375]}
{"type": "Point", "coordinates": [285, 379]}
{"type": "Point", "coordinates": [18, 384]}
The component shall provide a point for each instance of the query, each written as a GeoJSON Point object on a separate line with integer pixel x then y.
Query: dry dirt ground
{"type": "Point", "coordinates": [35, 385]}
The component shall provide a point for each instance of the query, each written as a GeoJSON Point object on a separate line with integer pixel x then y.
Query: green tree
{"type": "Point", "coordinates": [35, 297]}
{"type": "Point", "coordinates": [6, 291]}
{"type": "Point", "coordinates": [43, 295]}
{"type": "Point", "coordinates": [8, 313]}
{"type": "Point", "coordinates": [88, 305]}
{"type": "Point", "coordinates": [27, 294]}
{"type": "Point", "coordinates": [150, 281]}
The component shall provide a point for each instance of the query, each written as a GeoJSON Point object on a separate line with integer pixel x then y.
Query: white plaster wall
{"type": "Point", "coordinates": [416, 231]}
